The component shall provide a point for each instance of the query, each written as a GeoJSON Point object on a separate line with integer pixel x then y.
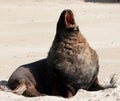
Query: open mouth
{"type": "Point", "coordinates": [69, 20]}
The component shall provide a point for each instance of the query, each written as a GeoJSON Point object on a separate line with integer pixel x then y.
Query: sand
{"type": "Point", "coordinates": [27, 29]}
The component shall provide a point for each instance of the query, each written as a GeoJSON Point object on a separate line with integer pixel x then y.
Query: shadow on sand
{"type": "Point", "coordinates": [3, 86]}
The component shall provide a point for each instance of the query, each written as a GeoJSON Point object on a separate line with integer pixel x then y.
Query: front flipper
{"type": "Point", "coordinates": [96, 86]}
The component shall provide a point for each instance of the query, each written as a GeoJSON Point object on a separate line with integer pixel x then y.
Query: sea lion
{"type": "Point", "coordinates": [71, 65]}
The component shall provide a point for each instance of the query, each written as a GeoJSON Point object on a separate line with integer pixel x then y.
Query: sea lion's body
{"type": "Point", "coordinates": [71, 65]}
{"type": "Point", "coordinates": [74, 60]}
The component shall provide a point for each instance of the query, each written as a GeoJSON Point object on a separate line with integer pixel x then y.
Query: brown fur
{"type": "Point", "coordinates": [71, 65]}
{"type": "Point", "coordinates": [72, 57]}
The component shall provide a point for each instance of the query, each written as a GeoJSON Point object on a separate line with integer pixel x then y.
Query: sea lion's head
{"type": "Point", "coordinates": [66, 23]}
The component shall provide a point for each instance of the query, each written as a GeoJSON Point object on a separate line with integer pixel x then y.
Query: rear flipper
{"type": "Point", "coordinates": [96, 86]}
{"type": "Point", "coordinates": [26, 88]}
{"type": "Point", "coordinates": [31, 91]}
{"type": "Point", "coordinates": [21, 88]}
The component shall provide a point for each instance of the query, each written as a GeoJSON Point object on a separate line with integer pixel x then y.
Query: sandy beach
{"type": "Point", "coordinates": [28, 27]}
